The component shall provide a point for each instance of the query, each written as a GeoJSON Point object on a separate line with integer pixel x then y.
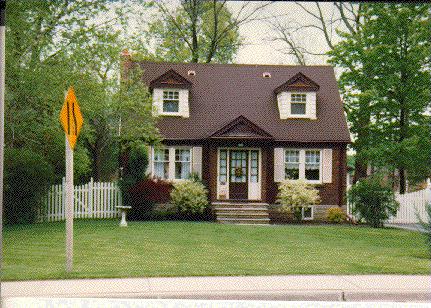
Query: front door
{"type": "Point", "coordinates": [238, 173]}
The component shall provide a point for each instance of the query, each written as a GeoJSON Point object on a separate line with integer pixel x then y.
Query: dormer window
{"type": "Point", "coordinates": [171, 101]}
{"type": "Point", "coordinates": [296, 98]}
{"type": "Point", "coordinates": [171, 95]}
{"type": "Point", "coordinates": [298, 104]}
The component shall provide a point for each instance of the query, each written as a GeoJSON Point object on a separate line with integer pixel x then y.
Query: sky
{"type": "Point", "coordinates": [259, 50]}
{"type": "Point", "coordinates": [257, 47]}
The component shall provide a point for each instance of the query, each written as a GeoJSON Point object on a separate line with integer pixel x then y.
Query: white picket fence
{"type": "Point", "coordinates": [412, 207]}
{"type": "Point", "coordinates": [92, 200]}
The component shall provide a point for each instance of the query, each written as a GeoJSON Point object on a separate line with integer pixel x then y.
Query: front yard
{"type": "Point", "coordinates": [102, 249]}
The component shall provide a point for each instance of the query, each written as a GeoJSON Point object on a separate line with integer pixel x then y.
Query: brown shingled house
{"type": "Point", "coordinates": [245, 128]}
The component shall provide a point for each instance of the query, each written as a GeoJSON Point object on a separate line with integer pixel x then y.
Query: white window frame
{"type": "Point", "coordinates": [298, 102]}
{"type": "Point", "coordinates": [153, 167]}
{"type": "Point", "coordinates": [178, 101]}
{"type": "Point", "coordinates": [312, 213]}
{"type": "Point", "coordinates": [302, 164]}
{"type": "Point", "coordinates": [182, 161]}
{"type": "Point", "coordinates": [172, 161]}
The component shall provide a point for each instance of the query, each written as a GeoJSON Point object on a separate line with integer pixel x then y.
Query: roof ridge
{"type": "Point", "coordinates": [233, 64]}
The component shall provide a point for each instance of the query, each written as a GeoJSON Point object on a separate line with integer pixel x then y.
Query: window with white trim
{"type": "Point", "coordinates": [182, 163]}
{"type": "Point", "coordinates": [171, 101]}
{"type": "Point", "coordinates": [302, 164]}
{"type": "Point", "coordinates": [161, 163]}
{"type": "Point", "coordinates": [312, 165]}
{"type": "Point", "coordinates": [298, 103]}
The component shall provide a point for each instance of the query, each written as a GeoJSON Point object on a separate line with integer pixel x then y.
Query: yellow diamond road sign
{"type": "Point", "coordinates": [71, 117]}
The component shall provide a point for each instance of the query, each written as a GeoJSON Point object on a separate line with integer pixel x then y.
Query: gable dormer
{"type": "Point", "coordinates": [296, 98]}
{"type": "Point", "coordinates": [241, 127]}
{"type": "Point", "coordinates": [171, 94]}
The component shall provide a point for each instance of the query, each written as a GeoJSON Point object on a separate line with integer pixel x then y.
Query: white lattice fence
{"type": "Point", "coordinates": [91, 200]}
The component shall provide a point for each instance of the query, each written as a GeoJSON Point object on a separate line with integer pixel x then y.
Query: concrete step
{"type": "Point", "coordinates": [242, 214]}
{"type": "Point", "coordinates": [262, 221]}
{"type": "Point", "coordinates": [238, 205]}
{"type": "Point", "coordinates": [241, 209]}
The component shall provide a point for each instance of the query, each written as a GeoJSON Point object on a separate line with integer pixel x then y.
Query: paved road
{"type": "Point", "coordinates": [297, 288]}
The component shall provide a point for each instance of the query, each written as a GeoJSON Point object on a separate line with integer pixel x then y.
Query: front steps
{"type": "Point", "coordinates": [241, 213]}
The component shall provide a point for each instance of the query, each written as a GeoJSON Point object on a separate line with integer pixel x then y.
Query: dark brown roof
{"type": "Point", "coordinates": [299, 82]}
{"type": "Point", "coordinates": [220, 93]}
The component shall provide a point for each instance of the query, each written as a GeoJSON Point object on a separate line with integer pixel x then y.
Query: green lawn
{"type": "Point", "coordinates": [102, 249]}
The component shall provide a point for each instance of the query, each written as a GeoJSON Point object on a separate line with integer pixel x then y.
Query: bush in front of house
{"type": "Point", "coordinates": [293, 195]}
{"type": "Point", "coordinates": [27, 178]}
{"type": "Point", "coordinates": [134, 170]}
{"type": "Point", "coordinates": [335, 215]}
{"type": "Point", "coordinates": [190, 197]}
{"type": "Point", "coordinates": [373, 200]}
{"type": "Point", "coordinates": [145, 194]}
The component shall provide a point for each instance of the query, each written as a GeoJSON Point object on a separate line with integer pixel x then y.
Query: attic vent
{"type": "Point", "coordinates": [191, 73]}
{"type": "Point", "coordinates": [266, 75]}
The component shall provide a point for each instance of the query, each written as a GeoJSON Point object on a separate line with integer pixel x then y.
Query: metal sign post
{"type": "Point", "coordinates": [71, 120]}
{"type": "Point", "coordinates": [2, 88]}
{"type": "Point", "coordinates": [69, 207]}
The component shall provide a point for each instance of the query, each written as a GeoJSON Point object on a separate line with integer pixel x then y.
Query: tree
{"type": "Point", "coordinates": [50, 46]}
{"type": "Point", "coordinates": [199, 31]}
{"type": "Point", "coordinates": [390, 82]}
{"type": "Point", "coordinates": [328, 23]}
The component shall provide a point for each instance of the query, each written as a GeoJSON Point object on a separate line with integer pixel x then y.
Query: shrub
{"type": "Point", "coordinates": [295, 194]}
{"type": "Point", "coordinates": [145, 194]}
{"type": "Point", "coordinates": [190, 197]}
{"type": "Point", "coordinates": [134, 170]}
{"type": "Point", "coordinates": [335, 215]}
{"type": "Point", "coordinates": [27, 179]}
{"type": "Point", "coordinates": [373, 200]}
{"type": "Point", "coordinates": [427, 225]}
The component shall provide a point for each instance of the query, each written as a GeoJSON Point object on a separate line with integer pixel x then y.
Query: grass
{"type": "Point", "coordinates": [103, 249]}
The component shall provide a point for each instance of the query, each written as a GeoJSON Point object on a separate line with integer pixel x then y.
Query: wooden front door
{"type": "Point", "coordinates": [238, 173]}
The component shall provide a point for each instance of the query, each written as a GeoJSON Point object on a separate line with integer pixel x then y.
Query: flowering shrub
{"type": "Point", "coordinates": [335, 215]}
{"type": "Point", "coordinates": [295, 194]}
{"type": "Point", "coordinates": [190, 197]}
{"type": "Point", "coordinates": [145, 194]}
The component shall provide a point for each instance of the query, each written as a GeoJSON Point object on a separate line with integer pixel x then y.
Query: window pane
{"type": "Point", "coordinates": [312, 165]}
{"type": "Point", "coordinates": [182, 155]}
{"type": "Point", "coordinates": [291, 171]}
{"type": "Point", "coordinates": [161, 155]}
{"type": "Point", "coordinates": [297, 108]}
{"type": "Point", "coordinates": [161, 170]}
{"type": "Point", "coordinates": [170, 106]}
{"type": "Point", "coordinates": [254, 170]}
{"type": "Point", "coordinates": [307, 212]}
{"type": "Point", "coordinates": [298, 98]}
{"type": "Point", "coordinates": [182, 170]}
{"type": "Point", "coordinates": [223, 167]}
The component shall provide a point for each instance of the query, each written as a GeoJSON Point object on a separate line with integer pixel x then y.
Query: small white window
{"type": "Point", "coordinates": [266, 75]}
{"type": "Point", "coordinates": [307, 213]}
{"type": "Point", "coordinates": [191, 73]}
{"type": "Point", "coordinates": [161, 163]}
{"type": "Point", "coordinates": [171, 101]}
{"type": "Point", "coordinates": [298, 104]}
{"type": "Point", "coordinates": [182, 163]}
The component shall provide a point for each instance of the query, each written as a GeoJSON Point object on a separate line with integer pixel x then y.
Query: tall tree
{"type": "Point", "coordinates": [390, 58]}
{"type": "Point", "coordinates": [331, 22]}
{"type": "Point", "coordinates": [50, 46]}
{"type": "Point", "coordinates": [199, 31]}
